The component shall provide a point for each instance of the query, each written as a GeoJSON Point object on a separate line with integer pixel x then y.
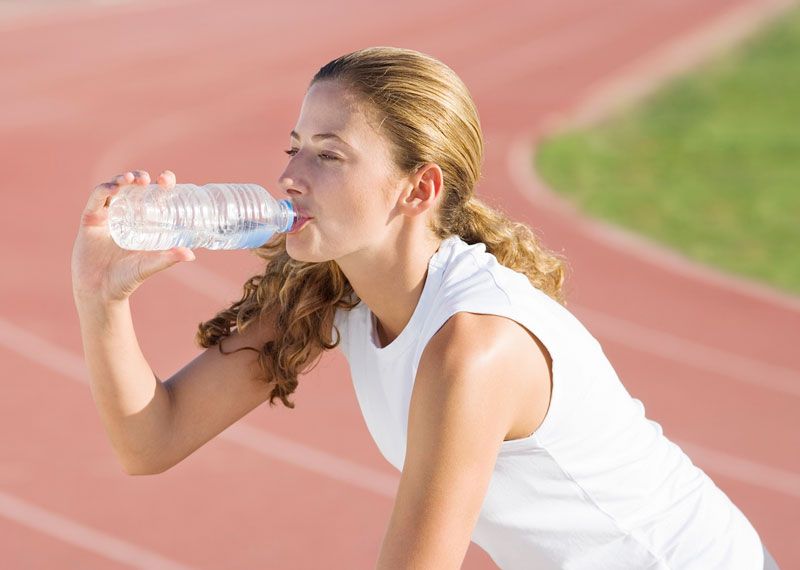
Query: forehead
{"type": "Point", "coordinates": [330, 107]}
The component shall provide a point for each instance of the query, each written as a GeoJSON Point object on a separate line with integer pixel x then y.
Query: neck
{"type": "Point", "coordinates": [389, 279]}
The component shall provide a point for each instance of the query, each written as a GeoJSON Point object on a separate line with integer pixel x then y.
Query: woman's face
{"type": "Point", "coordinates": [348, 185]}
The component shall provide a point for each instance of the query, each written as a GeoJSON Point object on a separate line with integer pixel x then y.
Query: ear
{"type": "Point", "coordinates": [425, 187]}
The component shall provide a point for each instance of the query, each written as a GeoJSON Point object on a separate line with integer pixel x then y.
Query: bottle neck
{"type": "Point", "coordinates": [288, 216]}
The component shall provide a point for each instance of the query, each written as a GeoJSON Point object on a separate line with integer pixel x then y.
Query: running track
{"type": "Point", "coordinates": [89, 91]}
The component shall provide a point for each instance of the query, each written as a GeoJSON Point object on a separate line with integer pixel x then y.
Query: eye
{"type": "Point", "coordinates": [324, 156]}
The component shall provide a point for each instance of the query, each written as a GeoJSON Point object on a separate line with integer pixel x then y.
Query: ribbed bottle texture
{"type": "Point", "coordinates": [213, 216]}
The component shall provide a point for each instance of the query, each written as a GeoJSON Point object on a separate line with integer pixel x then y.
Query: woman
{"type": "Point", "coordinates": [508, 423]}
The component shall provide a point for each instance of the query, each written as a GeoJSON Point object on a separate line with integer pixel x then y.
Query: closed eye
{"type": "Point", "coordinates": [324, 156]}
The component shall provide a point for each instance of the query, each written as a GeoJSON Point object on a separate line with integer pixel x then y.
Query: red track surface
{"type": "Point", "coordinates": [211, 92]}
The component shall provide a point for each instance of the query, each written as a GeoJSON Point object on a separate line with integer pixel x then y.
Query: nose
{"type": "Point", "coordinates": [289, 184]}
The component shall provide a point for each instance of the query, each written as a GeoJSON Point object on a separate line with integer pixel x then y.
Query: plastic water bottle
{"type": "Point", "coordinates": [214, 216]}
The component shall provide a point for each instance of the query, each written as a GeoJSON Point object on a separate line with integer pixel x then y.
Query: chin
{"type": "Point", "coordinates": [297, 252]}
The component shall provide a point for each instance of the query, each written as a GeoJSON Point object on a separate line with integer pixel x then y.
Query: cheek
{"type": "Point", "coordinates": [351, 205]}
{"type": "Point", "coordinates": [361, 207]}
{"type": "Point", "coordinates": [350, 225]}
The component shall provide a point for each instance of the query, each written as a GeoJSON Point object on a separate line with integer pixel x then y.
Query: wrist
{"type": "Point", "coordinates": [88, 304]}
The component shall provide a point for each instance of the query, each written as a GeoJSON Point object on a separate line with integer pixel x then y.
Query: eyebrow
{"type": "Point", "coordinates": [321, 136]}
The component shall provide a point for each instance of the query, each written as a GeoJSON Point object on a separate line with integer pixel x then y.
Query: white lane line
{"type": "Point", "coordinates": [778, 480]}
{"type": "Point", "coordinates": [312, 459]}
{"type": "Point", "coordinates": [82, 536]}
{"type": "Point", "coordinates": [669, 346]}
{"type": "Point", "coordinates": [72, 366]}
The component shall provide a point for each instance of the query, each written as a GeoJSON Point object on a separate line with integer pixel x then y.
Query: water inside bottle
{"type": "Point", "coordinates": [151, 219]}
{"type": "Point", "coordinates": [246, 234]}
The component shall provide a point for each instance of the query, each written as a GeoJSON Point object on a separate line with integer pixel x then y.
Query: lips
{"type": "Point", "coordinates": [299, 224]}
{"type": "Point", "coordinates": [301, 213]}
{"type": "Point", "coordinates": [302, 218]}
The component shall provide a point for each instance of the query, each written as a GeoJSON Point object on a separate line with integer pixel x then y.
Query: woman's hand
{"type": "Point", "coordinates": [101, 270]}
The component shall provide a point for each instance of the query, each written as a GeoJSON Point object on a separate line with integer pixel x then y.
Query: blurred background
{"type": "Point", "coordinates": [653, 143]}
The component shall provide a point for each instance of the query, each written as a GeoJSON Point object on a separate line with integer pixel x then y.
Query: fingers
{"type": "Point", "coordinates": [141, 177]}
{"type": "Point", "coordinates": [166, 179]}
{"type": "Point", "coordinates": [132, 177]}
{"type": "Point", "coordinates": [154, 261]}
{"type": "Point", "coordinates": [122, 179]}
{"type": "Point", "coordinates": [101, 196]}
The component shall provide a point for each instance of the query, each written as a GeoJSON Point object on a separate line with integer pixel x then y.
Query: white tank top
{"type": "Point", "coordinates": [598, 485]}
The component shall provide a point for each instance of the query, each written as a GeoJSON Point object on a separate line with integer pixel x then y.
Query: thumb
{"type": "Point", "coordinates": [182, 254]}
{"type": "Point", "coordinates": [159, 260]}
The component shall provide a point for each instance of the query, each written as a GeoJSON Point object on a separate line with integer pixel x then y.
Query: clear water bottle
{"type": "Point", "coordinates": [214, 216]}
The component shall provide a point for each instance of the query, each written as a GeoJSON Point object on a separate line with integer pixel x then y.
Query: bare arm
{"type": "Point", "coordinates": [154, 425]}
{"type": "Point", "coordinates": [213, 391]}
{"type": "Point", "coordinates": [477, 377]}
{"type": "Point", "coordinates": [133, 405]}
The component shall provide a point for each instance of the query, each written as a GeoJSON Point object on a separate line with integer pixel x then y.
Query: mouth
{"type": "Point", "coordinates": [299, 224]}
{"type": "Point", "coordinates": [301, 212]}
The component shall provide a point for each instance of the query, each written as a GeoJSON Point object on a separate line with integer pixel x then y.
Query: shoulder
{"type": "Point", "coordinates": [475, 339]}
{"type": "Point", "coordinates": [462, 398]}
{"type": "Point", "coordinates": [485, 352]}
{"type": "Point", "coordinates": [491, 359]}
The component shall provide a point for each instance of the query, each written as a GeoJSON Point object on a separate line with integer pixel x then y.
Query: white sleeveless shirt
{"type": "Point", "coordinates": [598, 485]}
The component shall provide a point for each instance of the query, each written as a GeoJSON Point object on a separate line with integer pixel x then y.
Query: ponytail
{"type": "Point", "coordinates": [514, 244]}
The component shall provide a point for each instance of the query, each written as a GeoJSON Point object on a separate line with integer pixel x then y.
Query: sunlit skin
{"type": "Point", "coordinates": [368, 217]}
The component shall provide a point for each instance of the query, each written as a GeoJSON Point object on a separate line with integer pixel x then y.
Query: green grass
{"type": "Point", "coordinates": [709, 166]}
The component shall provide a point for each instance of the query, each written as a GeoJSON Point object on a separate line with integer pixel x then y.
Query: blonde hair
{"type": "Point", "coordinates": [428, 115]}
